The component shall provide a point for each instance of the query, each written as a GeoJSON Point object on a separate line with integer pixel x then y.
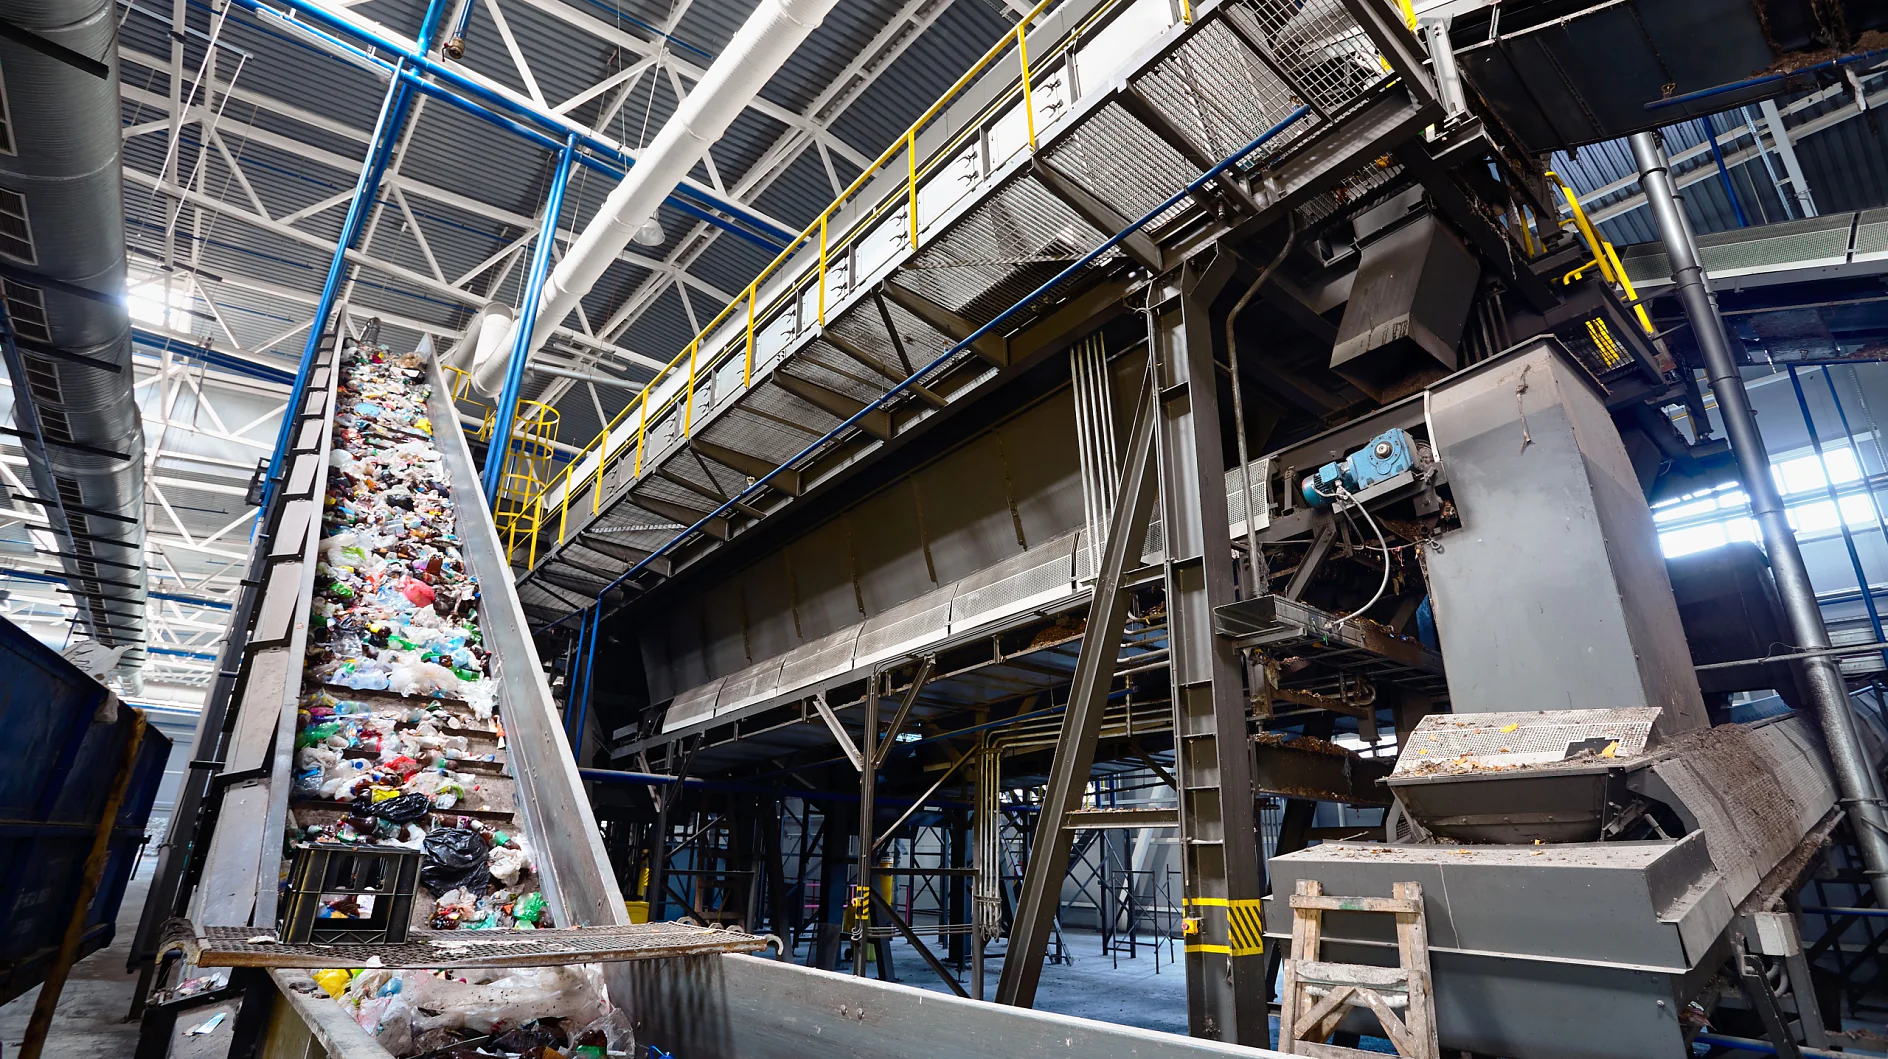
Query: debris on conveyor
{"type": "Point", "coordinates": [399, 744]}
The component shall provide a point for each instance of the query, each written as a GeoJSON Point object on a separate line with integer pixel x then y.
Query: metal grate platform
{"type": "Point", "coordinates": [237, 947]}
{"type": "Point", "coordinates": [1363, 648]}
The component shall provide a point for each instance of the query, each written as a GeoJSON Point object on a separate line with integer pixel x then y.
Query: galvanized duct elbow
{"type": "Point", "coordinates": [62, 218]}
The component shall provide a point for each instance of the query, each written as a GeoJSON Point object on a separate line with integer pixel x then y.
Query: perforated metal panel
{"type": "Point", "coordinates": [751, 685]}
{"type": "Point", "coordinates": [1040, 575]}
{"type": "Point", "coordinates": [813, 662]}
{"type": "Point", "coordinates": [695, 704]}
{"type": "Point", "coordinates": [1261, 495]}
{"type": "Point", "coordinates": [1871, 235]}
{"type": "Point", "coordinates": [1526, 738]}
{"type": "Point", "coordinates": [1800, 244]}
{"type": "Point", "coordinates": [1753, 791]}
{"type": "Point", "coordinates": [904, 627]}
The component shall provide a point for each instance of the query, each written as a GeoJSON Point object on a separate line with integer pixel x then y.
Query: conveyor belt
{"type": "Point", "coordinates": [237, 947]}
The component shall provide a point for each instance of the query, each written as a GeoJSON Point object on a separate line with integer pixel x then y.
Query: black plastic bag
{"type": "Point", "coordinates": [455, 859]}
{"type": "Point", "coordinates": [405, 809]}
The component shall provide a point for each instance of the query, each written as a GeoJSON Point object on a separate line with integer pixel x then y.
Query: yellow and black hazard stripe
{"type": "Point", "coordinates": [1244, 930]}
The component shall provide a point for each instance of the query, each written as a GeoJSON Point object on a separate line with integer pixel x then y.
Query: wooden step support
{"type": "Point", "coordinates": [1317, 995]}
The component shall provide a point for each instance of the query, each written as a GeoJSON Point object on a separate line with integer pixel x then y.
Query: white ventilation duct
{"type": "Point", "coordinates": [764, 43]}
{"type": "Point", "coordinates": [488, 326]}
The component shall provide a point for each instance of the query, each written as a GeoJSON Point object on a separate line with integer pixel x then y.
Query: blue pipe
{"type": "Point", "coordinates": [180, 654]}
{"type": "Point", "coordinates": [589, 682]}
{"type": "Point", "coordinates": [379, 149]}
{"type": "Point", "coordinates": [1848, 539]}
{"type": "Point", "coordinates": [573, 676]}
{"type": "Point", "coordinates": [1108, 244]}
{"type": "Point", "coordinates": [1752, 82]}
{"type": "Point", "coordinates": [211, 357]}
{"type": "Point", "coordinates": [192, 600]}
{"type": "Point", "coordinates": [507, 409]}
{"type": "Point", "coordinates": [315, 17]}
{"type": "Point", "coordinates": [1724, 171]}
{"type": "Point", "coordinates": [1746, 1044]}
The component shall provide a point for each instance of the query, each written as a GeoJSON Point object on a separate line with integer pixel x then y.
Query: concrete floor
{"type": "Point", "coordinates": [89, 1021]}
{"type": "Point", "coordinates": [1091, 985]}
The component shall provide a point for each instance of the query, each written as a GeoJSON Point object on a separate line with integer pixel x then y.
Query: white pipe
{"type": "Point", "coordinates": [489, 333]}
{"type": "Point", "coordinates": [765, 42]}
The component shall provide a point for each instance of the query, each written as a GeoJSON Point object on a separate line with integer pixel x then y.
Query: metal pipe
{"type": "Point", "coordinates": [589, 683]}
{"type": "Point", "coordinates": [1752, 82]}
{"type": "Point", "coordinates": [379, 149]}
{"type": "Point", "coordinates": [1724, 171]}
{"type": "Point", "coordinates": [1835, 501]}
{"type": "Point", "coordinates": [995, 322]}
{"type": "Point", "coordinates": [1261, 578]}
{"type": "Point", "coordinates": [507, 409]}
{"type": "Point", "coordinates": [315, 17]}
{"type": "Point", "coordinates": [1854, 777]}
{"type": "Point", "coordinates": [1746, 1044]}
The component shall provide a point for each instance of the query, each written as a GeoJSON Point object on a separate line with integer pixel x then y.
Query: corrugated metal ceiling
{"type": "Point", "coordinates": [297, 119]}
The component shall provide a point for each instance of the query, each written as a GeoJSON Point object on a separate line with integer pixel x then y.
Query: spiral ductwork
{"type": "Point", "coordinates": [62, 221]}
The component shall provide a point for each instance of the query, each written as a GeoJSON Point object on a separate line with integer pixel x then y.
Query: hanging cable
{"type": "Point", "coordinates": [1383, 545]}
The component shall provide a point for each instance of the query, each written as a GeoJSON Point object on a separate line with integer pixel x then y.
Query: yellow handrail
{"type": "Point", "coordinates": [1603, 253]}
{"type": "Point", "coordinates": [818, 228]}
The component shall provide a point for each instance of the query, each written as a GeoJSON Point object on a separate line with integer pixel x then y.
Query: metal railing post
{"type": "Point", "coordinates": [507, 410]}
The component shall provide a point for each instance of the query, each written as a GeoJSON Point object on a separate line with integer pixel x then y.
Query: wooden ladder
{"type": "Point", "coordinates": [1317, 995]}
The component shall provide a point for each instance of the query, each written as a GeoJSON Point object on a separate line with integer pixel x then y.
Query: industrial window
{"type": "Point", "coordinates": [6, 119]}
{"type": "Point", "coordinates": [26, 307]}
{"type": "Point", "coordinates": [1716, 517]}
{"type": "Point", "coordinates": [16, 235]}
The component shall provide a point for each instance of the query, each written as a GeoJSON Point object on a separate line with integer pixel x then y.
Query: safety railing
{"type": "Point", "coordinates": [1605, 258]}
{"type": "Point", "coordinates": [750, 328]}
{"type": "Point", "coordinates": [519, 512]}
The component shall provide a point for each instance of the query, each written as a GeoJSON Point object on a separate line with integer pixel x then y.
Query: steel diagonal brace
{"type": "Point", "coordinates": [839, 731]}
{"type": "Point", "coordinates": [1081, 723]}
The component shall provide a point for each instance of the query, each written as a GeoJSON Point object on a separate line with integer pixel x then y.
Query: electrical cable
{"type": "Point", "coordinates": [1382, 544]}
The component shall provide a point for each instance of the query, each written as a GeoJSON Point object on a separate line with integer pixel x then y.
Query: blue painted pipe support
{"type": "Point", "coordinates": [506, 412]}
{"type": "Point", "coordinates": [589, 683]}
{"type": "Point", "coordinates": [448, 84]}
{"type": "Point", "coordinates": [1724, 171]}
{"type": "Point", "coordinates": [1842, 522]}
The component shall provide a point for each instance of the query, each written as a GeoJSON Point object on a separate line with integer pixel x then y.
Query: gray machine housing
{"type": "Point", "coordinates": [1557, 623]}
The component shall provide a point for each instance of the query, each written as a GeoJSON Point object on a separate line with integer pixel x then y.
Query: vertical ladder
{"type": "Point", "coordinates": [1317, 994]}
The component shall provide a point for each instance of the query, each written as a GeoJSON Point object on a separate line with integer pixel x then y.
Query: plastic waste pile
{"type": "Point", "coordinates": [398, 741]}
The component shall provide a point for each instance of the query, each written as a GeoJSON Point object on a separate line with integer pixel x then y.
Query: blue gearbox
{"type": "Point", "coordinates": [1386, 456]}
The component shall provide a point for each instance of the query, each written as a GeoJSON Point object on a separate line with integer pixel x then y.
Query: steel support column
{"type": "Point", "coordinates": [1081, 722]}
{"type": "Point", "coordinates": [388, 128]}
{"type": "Point", "coordinates": [1854, 776]}
{"type": "Point", "coordinates": [393, 111]}
{"type": "Point", "coordinates": [1226, 988]}
{"type": "Point", "coordinates": [868, 789]}
{"type": "Point", "coordinates": [506, 412]}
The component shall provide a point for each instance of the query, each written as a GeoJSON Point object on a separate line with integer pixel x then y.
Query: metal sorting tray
{"type": "Point", "coordinates": [238, 947]}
